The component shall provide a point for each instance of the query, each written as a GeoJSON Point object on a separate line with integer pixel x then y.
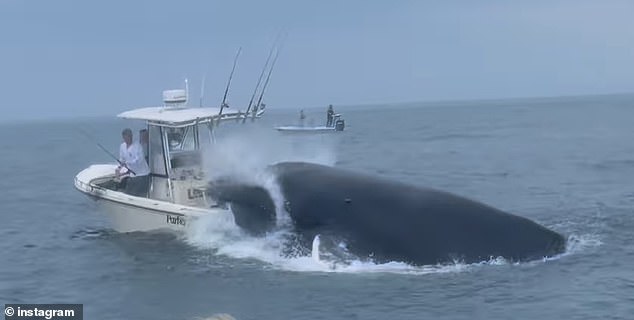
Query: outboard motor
{"type": "Point", "coordinates": [339, 125]}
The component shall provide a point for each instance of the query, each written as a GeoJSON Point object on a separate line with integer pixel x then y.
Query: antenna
{"type": "Point", "coordinates": [202, 90]}
{"type": "Point", "coordinates": [224, 99]}
{"type": "Point", "coordinates": [186, 91]}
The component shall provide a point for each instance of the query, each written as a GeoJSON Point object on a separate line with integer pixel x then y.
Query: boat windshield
{"type": "Point", "coordinates": [181, 139]}
{"type": "Point", "coordinates": [184, 147]}
{"type": "Point", "coordinates": [156, 158]}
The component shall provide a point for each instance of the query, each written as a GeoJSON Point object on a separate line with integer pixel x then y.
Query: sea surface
{"type": "Point", "coordinates": [566, 163]}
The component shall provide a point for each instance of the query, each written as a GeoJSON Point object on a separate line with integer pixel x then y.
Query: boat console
{"type": "Point", "coordinates": [177, 134]}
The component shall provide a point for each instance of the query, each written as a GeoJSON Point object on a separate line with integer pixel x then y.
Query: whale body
{"type": "Point", "coordinates": [386, 220]}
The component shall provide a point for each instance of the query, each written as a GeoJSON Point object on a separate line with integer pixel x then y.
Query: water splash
{"type": "Point", "coordinates": [272, 249]}
{"type": "Point", "coordinates": [246, 153]}
{"type": "Point", "coordinates": [315, 249]}
{"type": "Point", "coordinates": [578, 243]}
{"type": "Point", "coordinates": [278, 250]}
{"type": "Point", "coordinates": [246, 156]}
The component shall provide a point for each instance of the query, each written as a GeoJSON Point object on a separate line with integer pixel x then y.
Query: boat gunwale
{"type": "Point", "coordinates": [100, 193]}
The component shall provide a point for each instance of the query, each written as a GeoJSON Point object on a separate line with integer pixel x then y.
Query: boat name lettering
{"type": "Point", "coordinates": [178, 220]}
{"type": "Point", "coordinates": [194, 193]}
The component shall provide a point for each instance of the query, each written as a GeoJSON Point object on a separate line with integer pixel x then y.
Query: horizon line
{"type": "Point", "coordinates": [65, 117]}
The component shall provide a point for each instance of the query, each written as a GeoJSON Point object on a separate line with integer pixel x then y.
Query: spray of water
{"type": "Point", "coordinates": [246, 153]}
{"type": "Point", "coordinates": [245, 156]}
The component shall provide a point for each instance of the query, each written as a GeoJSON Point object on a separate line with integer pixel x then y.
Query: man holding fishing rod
{"type": "Point", "coordinates": [133, 169]}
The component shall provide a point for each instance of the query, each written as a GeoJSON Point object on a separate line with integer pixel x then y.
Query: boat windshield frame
{"type": "Point", "coordinates": [174, 164]}
{"type": "Point", "coordinates": [166, 163]}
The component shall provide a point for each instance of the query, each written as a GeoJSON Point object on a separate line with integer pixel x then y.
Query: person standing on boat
{"type": "Point", "coordinates": [301, 117]}
{"type": "Point", "coordinates": [132, 166]}
{"type": "Point", "coordinates": [329, 116]}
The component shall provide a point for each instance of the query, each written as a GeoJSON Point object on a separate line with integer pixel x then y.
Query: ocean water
{"type": "Point", "coordinates": [566, 163]}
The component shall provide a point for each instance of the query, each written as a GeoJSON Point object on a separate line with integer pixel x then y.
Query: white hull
{"type": "Point", "coordinates": [126, 218]}
{"type": "Point", "coordinates": [306, 129]}
{"type": "Point", "coordinates": [129, 213]}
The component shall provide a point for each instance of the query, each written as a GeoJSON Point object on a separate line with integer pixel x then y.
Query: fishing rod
{"type": "Point", "coordinates": [257, 85]}
{"type": "Point", "coordinates": [121, 163]}
{"type": "Point", "coordinates": [113, 156]}
{"type": "Point", "coordinates": [224, 99]}
{"type": "Point", "coordinates": [268, 77]}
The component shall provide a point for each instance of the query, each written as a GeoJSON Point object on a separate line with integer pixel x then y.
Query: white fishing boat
{"type": "Point", "coordinates": [338, 125]}
{"type": "Point", "coordinates": [177, 180]}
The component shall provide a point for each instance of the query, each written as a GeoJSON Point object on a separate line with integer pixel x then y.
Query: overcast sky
{"type": "Point", "coordinates": [75, 58]}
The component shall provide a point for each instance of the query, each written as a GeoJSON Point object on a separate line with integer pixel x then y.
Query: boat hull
{"type": "Point", "coordinates": [129, 213]}
{"type": "Point", "coordinates": [297, 129]}
{"type": "Point", "coordinates": [127, 218]}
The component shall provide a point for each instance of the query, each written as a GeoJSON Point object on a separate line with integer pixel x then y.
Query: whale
{"type": "Point", "coordinates": [384, 220]}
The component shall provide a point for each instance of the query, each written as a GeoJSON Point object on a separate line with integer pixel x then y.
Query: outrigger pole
{"type": "Point", "coordinates": [224, 99]}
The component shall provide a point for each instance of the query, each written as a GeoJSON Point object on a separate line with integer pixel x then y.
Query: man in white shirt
{"type": "Point", "coordinates": [132, 166]}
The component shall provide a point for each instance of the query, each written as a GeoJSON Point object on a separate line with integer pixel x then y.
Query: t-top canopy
{"type": "Point", "coordinates": [178, 117]}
